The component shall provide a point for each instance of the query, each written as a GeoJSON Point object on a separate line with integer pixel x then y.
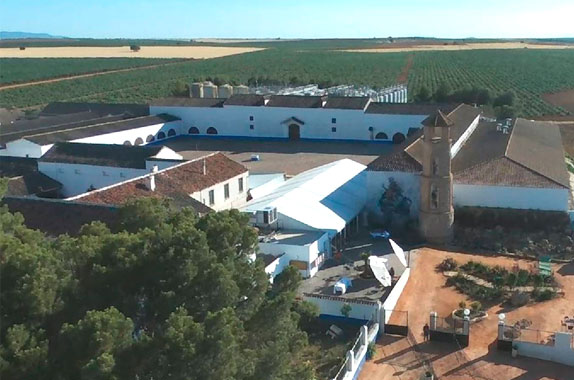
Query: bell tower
{"type": "Point", "coordinates": [436, 214]}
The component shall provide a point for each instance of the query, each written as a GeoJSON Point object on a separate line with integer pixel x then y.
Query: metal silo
{"type": "Point", "coordinates": [196, 90]}
{"type": "Point", "coordinates": [225, 91]}
{"type": "Point", "coordinates": [241, 89]}
{"type": "Point", "coordinates": [210, 90]}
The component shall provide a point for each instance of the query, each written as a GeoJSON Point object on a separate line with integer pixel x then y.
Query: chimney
{"type": "Point", "coordinates": [152, 178]}
{"type": "Point", "coordinates": [204, 167]}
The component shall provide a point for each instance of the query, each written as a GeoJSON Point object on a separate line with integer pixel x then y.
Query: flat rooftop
{"type": "Point", "coordinates": [292, 237]}
{"type": "Point", "coordinates": [290, 157]}
{"type": "Point", "coordinates": [363, 289]}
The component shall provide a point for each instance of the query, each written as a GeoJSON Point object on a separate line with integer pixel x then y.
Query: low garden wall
{"type": "Point", "coordinates": [393, 298]}
{"type": "Point", "coordinates": [330, 308]}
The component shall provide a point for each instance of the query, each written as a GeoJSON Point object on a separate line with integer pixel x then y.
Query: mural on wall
{"type": "Point", "coordinates": [394, 205]}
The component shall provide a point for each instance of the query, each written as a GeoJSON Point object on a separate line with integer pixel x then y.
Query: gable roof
{"type": "Point", "coordinates": [347, 102]}
{"type": "Point", "coordinates": [176, 182]}
{"type": "Point", "coordinates": [324, 198]}
{"type": "Point", "coordinates": [408, 108]}
{"type": "Point", "coordinates": [252, 100]}
{"type": "Point", "coordinates": [295, 101]}
{"type": "Point", "coordinates": [188, 102]}
{"type": "Point", "coordinates": [530, 156]}
{"type": "Point", "coordinates": [83, 131]}
{"type": "Point", "coordinates": [101, 154]}
{"type": "Point", "coordinates": [102, 109]}
{"type": "Point", "coordinates": [17, 166]}
{"type": "Point", "coordinates": [56, 216]}
{"type": "Point", "coordinates": [437, 120]}
{"type": "Point", "coordinates": [46, 124]}
{"type": "Point", "coordinates": [33, 183]}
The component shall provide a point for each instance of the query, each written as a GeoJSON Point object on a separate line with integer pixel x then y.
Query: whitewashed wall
{"type": "Point", "coordinates": [395, 294]}
{"type": "Point", "coordinates": [553, 199]}
{"type": "Point", "coordinates": [331, 306]}
{"type": "Point", "coordinates": [234, 121]}
{"type": "Point", "coordinates": [561, 352]}
{"type": "Point", "coordinates": [409, 182]}
{"type": "Point", "coordinates": [236, 198]}
{"type": "Point", "coordinates": [132, 134]}
{"type": "Point", "coordinates": [76, 178]}
{"type": "Point", "coordinates": [23, 148]}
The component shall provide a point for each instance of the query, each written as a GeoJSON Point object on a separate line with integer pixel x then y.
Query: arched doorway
{"type": "Point", "coordinates": [381, 136]}
{"type": "Point", "coordinates": [398, 138]}
{"type": "Point", "coordinates": [193, 131]}
{"type": "Point", "coordinates": [294, 132]}
{"type": "Point", "coordinates": [127, 143]}
{"type": "Point", "coordinates": [171, 133]}
{"type": "Point", "coordinates": [211, 131]}
{"type": "Point", "coordinates": [150, 138]}
{"type": "Point", "coordinates": [138, 141]}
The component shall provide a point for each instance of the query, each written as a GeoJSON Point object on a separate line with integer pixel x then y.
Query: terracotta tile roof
{"type": "Point", "coordinates": [295, 101]}
{"type": "Point", "coordinates": [102, 109]}
{"type": "Point", "coordinates": [56, 217]}
{"type": "Point", "coordinates": [188, 102]}
{"type": "Point", "coordinates": [408, 108]}
{"type": "Point", "coordinates": [245, 100]}
{"type": "Point", "coordinates": [347, 102]}
{"type": "Point", "coordinates": [437, 119]}
{"type": "Point", "coordinates": [97, 128]}
{"type": "Point", "coordinates": [101, 154]}
{"type": "Point", "coordinates": [176, 183]}
{"type": "Point", "coordinates": [33, 183]}
{"type": "Point", "coordinates": [398, 159]}
{"type": "Point", "coordinates": [17, 166]}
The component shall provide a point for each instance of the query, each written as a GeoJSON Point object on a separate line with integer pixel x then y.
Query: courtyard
{"type": "Point", "coordinates": [284, 156]}
{"type": "Point", "coordinates": [426, 291]}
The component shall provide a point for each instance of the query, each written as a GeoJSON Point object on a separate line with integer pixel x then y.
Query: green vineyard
{"type": "Point", "coordinates": [527, 73]}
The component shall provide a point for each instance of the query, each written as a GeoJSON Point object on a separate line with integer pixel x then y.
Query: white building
{"type": "Point", "coordinates": [520, 166]}
{"type": "Point", "coordinates": [82, 167]}
{"type": "Point", "coordinates": [310, 216]}
{"type": "Point", "coordinates": [295, 117]}
{"type": "Point", "coordinates": [33, 138]}
{"type": "Point", "coordinates": [212, 182]}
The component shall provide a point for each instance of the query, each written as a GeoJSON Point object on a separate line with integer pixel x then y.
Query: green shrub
{"type": "Point", "coordinates": [371, 350]}
{"type": "Point", "coordinates": [545, 295]}
{"type": "Point", "coordinates": [447, 265]}
{"type": "Point", "coordinates": [475, 306]}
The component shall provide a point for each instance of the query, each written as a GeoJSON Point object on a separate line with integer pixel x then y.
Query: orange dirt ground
{"type": "Point", "coordinates": [426, 292]}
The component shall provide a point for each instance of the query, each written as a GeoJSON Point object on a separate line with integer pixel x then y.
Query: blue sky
{"type": "Point", "coordinates": [289, 19]}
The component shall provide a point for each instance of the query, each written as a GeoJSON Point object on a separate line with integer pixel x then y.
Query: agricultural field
{"type": "Point", "coordinates": [14, 70]}
{"type": "Point", "coordinates": [197, 52]}
{"type": "Point", "coordinates": [529, 73]}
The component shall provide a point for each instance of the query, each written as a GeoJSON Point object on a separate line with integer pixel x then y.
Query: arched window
{"type": "Point", "coordinates": [149, 139]}
{"type": "Point", "coordinates": [139, 141]}
{"type": "Point", "coordinates": [127, 143]}
{"type": "Point", "coordinates": [211, 131]}
{"type": "Point", "coordinates": [435, 166]}
{"type": "Point", "coordinates": [193, 131]}
{"type": "Point", "coordinates": [161, 136]}
{"type": "Point", "coordinates": [171, 132]}
{"type": "Point", "coordinates": [398, 138]}
{"type": "Point", "coordinates": [434, 197]}
{"type": "Point", "coordinates": [381, 136]}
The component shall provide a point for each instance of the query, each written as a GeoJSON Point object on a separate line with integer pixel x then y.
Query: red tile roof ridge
{"type": "Point", "coordinates": [79, 196]}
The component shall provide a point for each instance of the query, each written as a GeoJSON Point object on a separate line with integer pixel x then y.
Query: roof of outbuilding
{"type": "Point", "coordinates": [17, 166]}
{"type": "Point", "coordinates": [252, 100]}
{"type": "Point", "coordinates": [408, 108]}
{"type": "Point", "coordinates": [56, 217]}
{"type": "Point", "coordinates": [347, 102]}
{"type": "Point", "coordinates": [176, 182]}
{"type": "Point", "coordinates": [46, 124]}
{"type": "Point", "coordinates": [438, 120]}
{"type": "Point", "coordinates": [102, 109]}
{"type": "Point", "coordinates": [79, 132]}
{"type": "Point", "coordinates": [295, 101]}
{"type": "Point", "coordinates": [33, 183]}
{"type": "Point", "coordinates": [101, 154]}
{"type": "Point", "coordinates": [188, 102]}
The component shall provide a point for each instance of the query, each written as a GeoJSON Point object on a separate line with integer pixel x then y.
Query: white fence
{"type": "Point", "coordinates": [560, 352]}
{"type": "Point", "coordinates": [358, 354]}
{"type": "Point", "coordinates": [395, 294]}
{"type": "Point", "coordinates": [331, 306]}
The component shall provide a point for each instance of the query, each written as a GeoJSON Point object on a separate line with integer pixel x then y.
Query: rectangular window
{"type": "Point", "coordinates": [77, 171]}
{"type": "Point", "coordinates": [240, 185]}
{"type": "Point", "coordinates": [250, 118]}
{"type": "Point", "coordinates": [251, 126]}
{"type": "Point", "coordinates": [211, 197]}
{"type": "Point", "coordinates": [105, 174]}
{"type": "Point", "coordinates": [226, 191]}
{"type": "Point", "coordinates": [334, 120]}
{"type": "Point", "coordinates": [334, 129]}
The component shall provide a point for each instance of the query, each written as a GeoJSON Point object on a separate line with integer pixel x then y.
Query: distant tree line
{"type": "Point", "coordinates": [503, 103]}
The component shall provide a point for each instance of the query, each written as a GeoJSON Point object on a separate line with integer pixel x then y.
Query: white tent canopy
{"type": "Point", "coordinates": [399, 252]}
{"type": "Point", "coordinates": [379, 267]}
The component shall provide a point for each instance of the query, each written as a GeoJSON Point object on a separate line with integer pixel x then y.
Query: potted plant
{"type": "Point", "coordinates": [514, 350]}
{"type": "Point", "coordinates": [428, 375]}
